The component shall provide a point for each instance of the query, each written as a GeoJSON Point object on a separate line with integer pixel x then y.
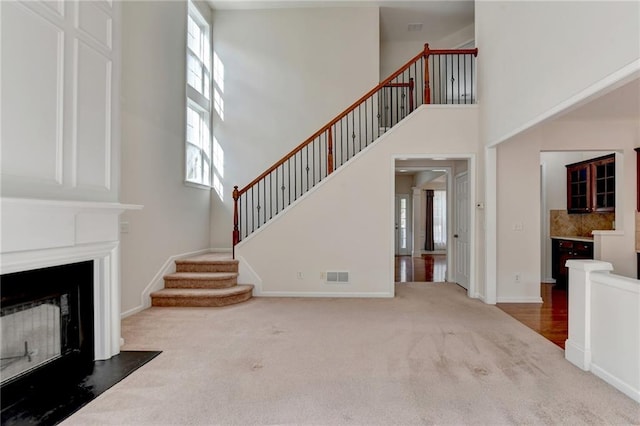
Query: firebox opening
{"type": "Point", "coordinates": [46, 318]}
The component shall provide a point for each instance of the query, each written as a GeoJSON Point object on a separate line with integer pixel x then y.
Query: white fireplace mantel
{"type": "Point", "coordinates": [43, 233]}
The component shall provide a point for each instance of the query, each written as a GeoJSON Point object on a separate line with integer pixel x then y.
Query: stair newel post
{"type": "Point", "coordinates": [427, 89]}
{"type": "Point", "coordinates": [329, 152]}
{"type": "Point", "coordinates": [411, 85]}
{"type": "Point", "coordinates": [236, 230]}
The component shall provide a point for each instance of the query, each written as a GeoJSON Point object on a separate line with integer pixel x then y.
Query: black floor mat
{"type": "Point", "coordinates": [49, 400]}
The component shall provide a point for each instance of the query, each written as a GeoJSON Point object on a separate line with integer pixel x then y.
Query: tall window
{"type": "Point", "coordinates": [198, 137]}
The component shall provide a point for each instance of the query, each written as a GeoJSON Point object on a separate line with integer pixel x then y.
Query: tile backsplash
{"type": "Point", "coordinates": [579, 225]}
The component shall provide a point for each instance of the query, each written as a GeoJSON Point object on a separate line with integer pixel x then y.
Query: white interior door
{"type": "Point", "coordinates": [462, 247]}
{"type": "Point", "coordinates": [402, 225]}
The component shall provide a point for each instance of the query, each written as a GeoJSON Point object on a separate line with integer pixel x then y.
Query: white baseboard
{"type": "Point", "coordinates": [617, 383]}
{"type": "Point", "coordinates": [132, 311]}
{"type": "Point", "coordinates": [531, 299]}
{"type": "Point", "coordinates": [157, 282]}
{"type": "Point", "coordinates": [377, 295]}
{"type": "Point", "coordinates": [577, 355]}
{"type": "Point", "coordinates": [221, 250]}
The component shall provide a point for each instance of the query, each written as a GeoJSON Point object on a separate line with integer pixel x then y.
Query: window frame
{"type": "Point", "coordinates": [198, 99]}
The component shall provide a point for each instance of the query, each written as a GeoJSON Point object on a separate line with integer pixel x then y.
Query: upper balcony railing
{"type": "Point", "coordinates": [431, 77]}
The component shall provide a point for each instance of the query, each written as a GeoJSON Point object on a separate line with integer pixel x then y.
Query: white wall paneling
{"type": "Point", "coordinates": [56, 6]}
{"type": "Point", "coordinates": [32, 87]}
{"type": "Point", "coordinates": [60, 131]}
{"type": "Point", "coordinates": [92, 117]}
{"type": "Point", "coordinates": [95, 22]}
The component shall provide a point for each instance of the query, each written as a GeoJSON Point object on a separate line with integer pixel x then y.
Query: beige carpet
{"type": "Point", "coordinates": [428, 356]}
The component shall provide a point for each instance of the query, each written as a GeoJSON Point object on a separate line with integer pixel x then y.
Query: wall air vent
{"type": "Point", "coordinates": [337, 277]}
{"type": "Point", "coordinates": [414, 27]}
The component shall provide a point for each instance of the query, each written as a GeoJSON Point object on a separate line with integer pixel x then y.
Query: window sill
{"type": "Point", "coordinates": [197, 185]}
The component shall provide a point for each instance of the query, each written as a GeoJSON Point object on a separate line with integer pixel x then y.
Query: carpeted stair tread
{"type": "Point", "coordinates": [210, 262]}
{"type": "Point", "coordinates": [205, 276]}
{"type": "Point", "coordinates": [201, 280]}
{"type": "Point", "coordinates": [199, 297]}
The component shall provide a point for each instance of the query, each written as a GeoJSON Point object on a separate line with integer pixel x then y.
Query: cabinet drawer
{"type": "Point", "coordinates": [582, 248]}
{"type": "Point", "coordinates": [563, 244]}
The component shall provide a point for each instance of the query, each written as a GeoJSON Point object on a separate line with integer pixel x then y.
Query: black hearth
{"type": "Point", "coordinates": [47, 347]}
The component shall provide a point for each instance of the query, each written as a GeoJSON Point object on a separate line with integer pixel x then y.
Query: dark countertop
{"type": "Point", "coordinates": [572, 238]}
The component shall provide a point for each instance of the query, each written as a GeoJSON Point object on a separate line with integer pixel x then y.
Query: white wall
{"type": "Point", "coordinates": [175, 218]}
{"type": "Point", "coordinates": [404, 183]}
{"type": "Point", "coordinates": [346, 223]}
{"type": "Point", "coordinates": [519, 198]}
{"type": "Point", "coordinates": [395, 54]}
{"type": "Point", "coordinates": [287, 73]}
{"type": "Point", "coordinates": [540, 54]}
{"type": "Point", "coordinates": [555, 177]}
{"type": "Point", "coordinates": [60, 130]}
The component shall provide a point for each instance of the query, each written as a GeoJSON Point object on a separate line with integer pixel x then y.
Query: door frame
{"type": "Point", "coordinates": [471, 170]}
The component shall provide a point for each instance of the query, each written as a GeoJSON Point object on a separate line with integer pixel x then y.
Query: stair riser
{"type": "Point", "coordinates": [206, 267]}
{"type": "Point", "coordinates": [193, 302]}
{"type": "Point", "coordinates": [186, 283]}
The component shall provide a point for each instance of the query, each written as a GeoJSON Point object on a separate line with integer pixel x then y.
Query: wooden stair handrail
{"type": "Point", "coordinates": [425, 53]}
{"type": "Point", "coordinates": [386, 83]}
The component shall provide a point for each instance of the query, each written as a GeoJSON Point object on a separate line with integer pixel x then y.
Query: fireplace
{"type": "Point", "coordinates": [43, 234]}
{"type": "Point", "coordinates": [46, 318]}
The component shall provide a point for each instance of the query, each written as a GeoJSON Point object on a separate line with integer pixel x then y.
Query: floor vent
{"type": "Point", "coordinates": [337, 277]}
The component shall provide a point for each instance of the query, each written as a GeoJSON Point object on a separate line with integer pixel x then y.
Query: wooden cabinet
{"type": "Point", "coordinates": [591, 185]}
{"type": "Point", "coordinates": [563, 250]}
{"type": "Point", "coordinates": [578, 188]}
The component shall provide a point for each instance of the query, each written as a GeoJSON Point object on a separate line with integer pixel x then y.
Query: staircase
{"type": "Point", "coordinates": [208, 280]}
{"type": "Point", "coordinates": [442, 76]}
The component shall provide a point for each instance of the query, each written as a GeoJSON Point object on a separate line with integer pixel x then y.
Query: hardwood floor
{"type": "Point", "coordinates": [428, 268]}
{"type": "Point", "coordinates": [550, 319]}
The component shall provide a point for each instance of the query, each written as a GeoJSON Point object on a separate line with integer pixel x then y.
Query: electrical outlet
{"type": "Point", "coordinates": [517, 277]}
{"type": "Point", "coordinates": [124, 227]}
{"type": "Point", "coordinates": [300, 275]}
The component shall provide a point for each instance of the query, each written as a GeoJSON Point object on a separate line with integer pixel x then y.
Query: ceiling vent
{"type": "Point", "coordinates": [414, 27]}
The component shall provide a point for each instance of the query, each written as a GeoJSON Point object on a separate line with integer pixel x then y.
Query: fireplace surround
{"type": "Point", "coordinates": [40, 234]}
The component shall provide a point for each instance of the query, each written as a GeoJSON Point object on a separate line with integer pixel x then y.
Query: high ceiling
{"type": "Point", "coordinates": [439, 18]}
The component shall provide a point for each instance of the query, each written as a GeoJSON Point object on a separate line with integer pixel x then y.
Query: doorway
{"type": "Point", "coordinates": [439, 260]}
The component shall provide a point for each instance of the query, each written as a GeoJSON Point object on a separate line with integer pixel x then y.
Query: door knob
{"type": "Point", "coordinates": [455, 235]}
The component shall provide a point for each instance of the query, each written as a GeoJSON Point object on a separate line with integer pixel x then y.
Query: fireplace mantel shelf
{"type": "Point", "coordinates": [81, 205]}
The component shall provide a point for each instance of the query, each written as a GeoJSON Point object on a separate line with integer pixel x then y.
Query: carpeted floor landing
{"type": "Point", "coordinates": [428, 356]}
